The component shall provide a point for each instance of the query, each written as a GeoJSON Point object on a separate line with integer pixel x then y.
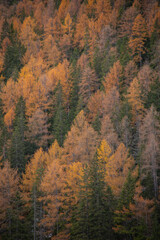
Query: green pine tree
{"type": "Point", "coordinates": [17, 148]}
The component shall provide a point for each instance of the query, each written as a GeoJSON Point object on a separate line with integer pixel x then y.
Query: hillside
{"type": "Point", "coordinates": [80, 120]}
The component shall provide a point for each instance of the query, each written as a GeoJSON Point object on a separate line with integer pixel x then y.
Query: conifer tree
{"type": "Point", "coordinates": [138, 39]}
{"type": "Point", "coordinates": [93, 219]}
{"type": "Point", "coordinates": [17, 148]}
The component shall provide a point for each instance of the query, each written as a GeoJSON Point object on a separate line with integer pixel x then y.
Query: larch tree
{"type": "Point", "coordinates": [80, 37]}
{"type": "Point", "coordinates": [130, 72]}
{"type": "Point", "coordinates": [29, 38]}
{"type": "Point", "coordinates": [113, 78]}
{"type": "Point", "coordinates": [108, 132]}
{"type": "Point", "coordinates": [9, 99]}
{"type": "Point", "coordinates": [38, 128]}
{"type": "Point", "coordinates": [117, 169]}
{"type": "Point", "coordinates": [138, 39]}
{"type": "Point", "coordinates": [88, 85]}
{"type": "Point", "coordinates": [50, 52]}
{"type": "Point", "coordinates": [103, 10]}
{"type": "Point", "coordinates": [95, 106]}
{"type": "Point", "coordinates": [134, 96]}
{"type": "Point", "coordinates": [52, 185]}
{"type": "Point", "coordinates": [126, 22]}
{"type": "Point", "coordinates": [78, 145]}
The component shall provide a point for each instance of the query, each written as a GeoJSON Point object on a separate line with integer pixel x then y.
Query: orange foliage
{"type": "Point", "coordinates": [134, 96]}
{"type": "Point", "coordinates": [118, 168]}
{"type": "Point", "coordinates": [112, 79]}
{"type": "Point", "coordinates": [95, 106]}
{"type": "Point", "coordinates": [79, 144]}
{"type": "Point", "coordinates": [138, 38]}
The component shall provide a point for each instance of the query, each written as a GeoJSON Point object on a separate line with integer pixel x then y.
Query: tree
{"type": "Point", "coordinates": [8, 191]}
{"type": "Point", "coordinates": [113, 78]}
{"type": "Point", "coordinates": [79, 144]}
{"type": "Point", "coordinates": [146, 77]}
{"type": "Point", "coordinates": [30, 191]}
{"type": "Point", "coordinates": [138, 38]}
{"type": "Point", "coordinates": [38, 128]}
{"type": "Point", "coordinates": [103, 8]}
{"type": "Point", "coordinates": [59, 124]}
{"type": "Point", "coordinates": [95, 106]}
{"type": "Point", "coordinates": [134, 219]}
{"type": "Point", "coordinates": [52, 186]}
{"type": "Point", "coordinates": [9, 99]}
{"type": "Point", "coordinates": [29, 38]}
{"type": "Point", "coordinates": [50, 52]}
{"type": "Point", "coordinates": [93, 219]}
{"type": "Point", "coordinates": [108, 132]}
{"type": "Point", "coordinates": [149, 140]}
{"type": "Point", "coordinates": [134, 96]}
{"type": "Point", "coordinates": [130, 72]}
{"type": "Point", "coordinates": [126, 22]}
{"type": "Point", "coordinates": [18, 141]}
{"type": "Point", "coordinates": [117, 169]}
{"type": "Point", "coordinates": [88, 85]}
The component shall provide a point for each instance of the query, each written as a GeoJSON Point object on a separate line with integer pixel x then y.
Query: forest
{"type": "Point", "coordinates": [80, 120]}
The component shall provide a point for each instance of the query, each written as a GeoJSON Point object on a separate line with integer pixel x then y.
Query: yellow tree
{"type": "Point", "coordinates": [63, 9]}
{"type": "Point", "coordinates": [117, 169]}
{"type": "Point", "coordinates": [104, 152]}
{"type": "Point", "coordinates": [29, 38]}
{"type": "Point", "coordinates": [79, 144]}
{"type": "Point", "coordinates": [61, 74]}
{"type": "Point", "coordinates": [54, 153]}
{"type": "Point", "coordinates": [138, 38]}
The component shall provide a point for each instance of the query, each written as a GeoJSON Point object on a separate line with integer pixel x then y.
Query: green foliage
{"type": "Point", "coordinates": [93, 216]}
{"type": "Point", "coordinates": [59, 118]}
{"type": "Point", "coordinates": [154, 96]}
{"type": "Point", "coordinates": [17, 148]}
{"type": "Point", "coordinates": [123, 50]}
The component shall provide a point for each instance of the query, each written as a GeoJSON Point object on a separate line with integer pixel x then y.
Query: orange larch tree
{"type": "Point", "coordinates": [112, 79]}
{"type": "Point", "coordinates": [138, 38]}
{"type": "Point", "coordinates": [134, 96]}
{"type": "Point", "coordinates": [79, 144]}
{"type": "Point", "coordinates": [117, 169]}
{"type": "Point", "coordinates": [89, 84]}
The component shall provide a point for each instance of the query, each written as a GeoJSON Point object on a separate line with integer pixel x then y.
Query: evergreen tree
{"type": "Point", "coordinates": [59, 118]}
{"type": "Point", "coordinates": [93, 219]}
{"type": "Point", "coordinates": [17, 148]}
